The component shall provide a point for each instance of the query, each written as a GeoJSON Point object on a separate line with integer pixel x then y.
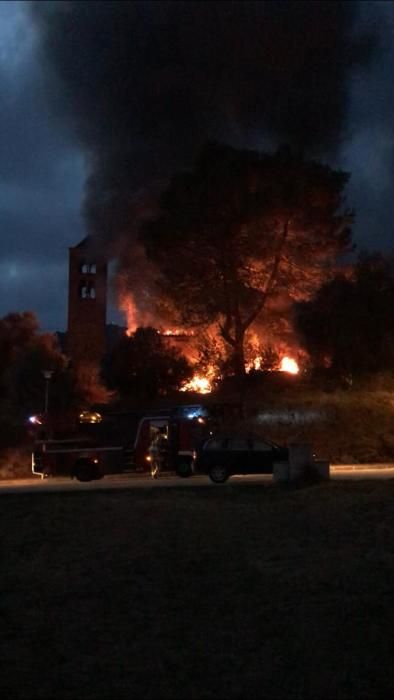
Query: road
{"type": "Point", "coordinates": [37, 485]}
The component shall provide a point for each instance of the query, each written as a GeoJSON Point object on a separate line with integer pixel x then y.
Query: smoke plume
{"type": "Point", "coordinates": [144, 84]}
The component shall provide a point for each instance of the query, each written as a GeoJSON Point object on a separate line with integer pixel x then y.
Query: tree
{"type": "Point", "coordinates": [145, 366]}
{"type": "Point", "coordinates": [349, 324]}
{"type": "Point", "coordinates": [242, 228]}
{"type": "Point", "coordinates": [24, 353]}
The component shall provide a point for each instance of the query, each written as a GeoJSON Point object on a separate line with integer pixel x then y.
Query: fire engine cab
{"type": "Point", "coordinates": [119, 443]}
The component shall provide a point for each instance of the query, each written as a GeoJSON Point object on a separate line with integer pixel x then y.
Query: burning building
{"type": "Point", "coordinates": [89, 337]}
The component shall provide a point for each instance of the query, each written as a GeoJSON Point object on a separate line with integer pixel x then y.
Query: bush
{"type": "Point", "coordinates": [15, 463]}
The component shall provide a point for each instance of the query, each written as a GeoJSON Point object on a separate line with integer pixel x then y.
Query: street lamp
{"type": "Point", "coordinates": [47, 376]}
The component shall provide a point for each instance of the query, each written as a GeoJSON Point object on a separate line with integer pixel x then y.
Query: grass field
{"type": "Point", "coordinates": [230, 592]}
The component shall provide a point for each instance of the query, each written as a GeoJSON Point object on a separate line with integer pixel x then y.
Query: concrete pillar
{"type": "Point", "coordinates": [321, 468]}
{"type": "Point", "coordinates": [300, 460]}
{"type": "Point", "coordinates": [281, 472]}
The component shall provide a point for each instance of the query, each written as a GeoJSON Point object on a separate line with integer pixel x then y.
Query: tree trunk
{"type": "Point", "coordinates": [239, 353]}
{"type": "Point", "coordinates": [239, 367]}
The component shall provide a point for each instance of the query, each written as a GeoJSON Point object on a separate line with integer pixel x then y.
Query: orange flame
{"type": "Point", "coordinates": [287, 364]}
{"type": "Point", "coordinates": [177, 332]}
{"type": "Point", "coordinates": [129, 308]}
{"type": "Point", "coordinates": [254, 364]}
{"type": "Point", "coordinates": [198, 383]}
{"type": "Point", "coordinates": [201, 383]}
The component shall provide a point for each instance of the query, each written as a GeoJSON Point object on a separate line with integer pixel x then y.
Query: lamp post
{"type": "Point", "coordinates": [47, 376]}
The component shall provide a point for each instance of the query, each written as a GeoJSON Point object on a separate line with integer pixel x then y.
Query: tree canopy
{"type": "Point", "coordinates": [24, 353]}
{"type": "Point", "coordinates": [349, 324]}
{"type": "Point", "coordinates": [241, 228]}
{"type": "Point", "coordinates": [143, 365]}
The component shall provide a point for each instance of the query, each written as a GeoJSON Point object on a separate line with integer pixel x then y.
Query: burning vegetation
{"type": "Point", "coordinates": [233, 245]}
{"type": "Point", "coordinates": [200, 348]}
{"type": "Point", "coordinates": [234, 230]}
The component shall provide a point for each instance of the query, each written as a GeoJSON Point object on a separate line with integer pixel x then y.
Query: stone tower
{"type": "Point", "coordinates": [87, 306]}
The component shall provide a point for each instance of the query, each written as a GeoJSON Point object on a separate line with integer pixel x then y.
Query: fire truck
{"type": "Point", "coordinates": [118, 443]}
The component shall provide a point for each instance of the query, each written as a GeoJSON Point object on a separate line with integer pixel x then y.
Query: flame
{"type": "Point", "coordinates": [171, 331]}
{"type": "Point", "coordinates": [134, 318]}
{"type": "Point", "coordinates": [198, 383]}
{"type": "Point", "coordinates": [201, 383]}
{"type": "Point", "coordinates": [177, 332]}
{"type": "Point", "coordinates": [129, 308]}
{"type": "Point", "coordinates": [254, 364]}
{"type": "Point", "coordinates": [287, 364]}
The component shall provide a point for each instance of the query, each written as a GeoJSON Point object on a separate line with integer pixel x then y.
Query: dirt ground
{"type": "Point", "coordinates": [240, 591]}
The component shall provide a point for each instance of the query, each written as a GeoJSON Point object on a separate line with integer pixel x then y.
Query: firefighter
{"type": "Point", "coordinates": [158, 452]}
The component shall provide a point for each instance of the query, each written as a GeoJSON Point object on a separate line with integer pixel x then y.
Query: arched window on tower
{"type": "Point", "coordinates": [87, 290]}
{"type": "Point", "coordinates": [88, 268]}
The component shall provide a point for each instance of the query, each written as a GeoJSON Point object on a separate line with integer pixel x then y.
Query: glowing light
{"type": "Point", "coordinates": [35, 420]}
{"type": "Point", "coordinates": [194, 414]}
{"type": "Point", "coordinates": [198, 383]}
{"type": "Point", "coordinates": [289, 365]}
{"type": "Point", "coordinates": [90, 417]}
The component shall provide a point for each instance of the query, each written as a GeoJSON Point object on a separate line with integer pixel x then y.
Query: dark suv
{"type": "Point", "coordinates": [220, 457]}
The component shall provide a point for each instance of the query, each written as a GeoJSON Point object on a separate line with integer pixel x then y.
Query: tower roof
{"type": "Point", "coordinates": [82, 244]}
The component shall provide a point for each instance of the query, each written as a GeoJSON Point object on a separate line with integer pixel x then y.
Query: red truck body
{"type": "Point", "coordinates": [120, 443]}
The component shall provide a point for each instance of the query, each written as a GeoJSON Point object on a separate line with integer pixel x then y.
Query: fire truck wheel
{"type": "Point", "coordinates": [184, 469]}
{"type": "Point", "coordinates": [218, 474]}
{"type": "Point", "coordinates": [85, 470]}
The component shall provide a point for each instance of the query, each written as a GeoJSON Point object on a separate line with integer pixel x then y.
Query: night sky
{"type": "Point", "coordinates": [101, 101]}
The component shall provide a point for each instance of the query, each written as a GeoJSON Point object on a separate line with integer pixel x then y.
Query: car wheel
{"type": "Point", "coordinates": [218, 474]}
{"type": "Point", "coordinates": [83, 474]}
{"type": "Point", "coordinates": [184, 469]}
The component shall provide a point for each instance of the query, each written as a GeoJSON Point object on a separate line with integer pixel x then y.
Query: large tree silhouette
{"type": "Point", "coordinates": [349, 323]}
{"type": "Point", "coordinates": [242, 228]}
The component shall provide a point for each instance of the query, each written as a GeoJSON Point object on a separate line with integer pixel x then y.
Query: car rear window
{"type": "Point", "coordinates": [213, 444]}
{"type": "Point", "coordinates": [237, 444]}
{"type": "Point", "coordinates": [261, 446]}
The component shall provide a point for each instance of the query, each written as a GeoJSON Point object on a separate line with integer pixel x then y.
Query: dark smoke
{"type": "Point", "coordinates": [144, 84]}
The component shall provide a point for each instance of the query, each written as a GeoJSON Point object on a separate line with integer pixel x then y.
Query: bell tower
{"type": "Point", "coordinates": [87, 305]}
